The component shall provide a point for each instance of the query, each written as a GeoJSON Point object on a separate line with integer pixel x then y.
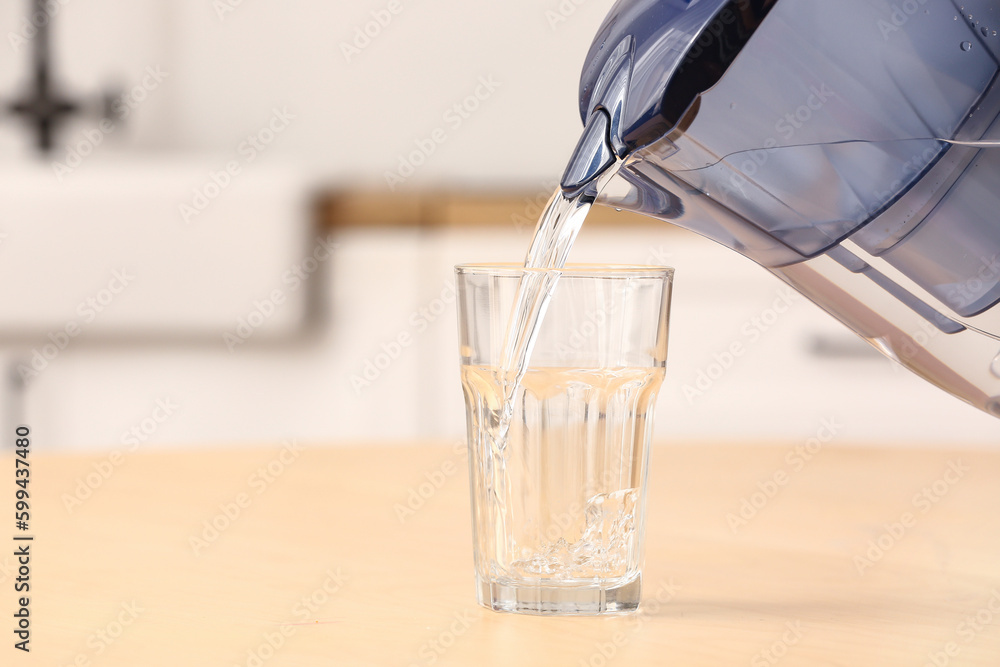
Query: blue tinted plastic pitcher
{"type": "Point", "coordinates": [847, 147]}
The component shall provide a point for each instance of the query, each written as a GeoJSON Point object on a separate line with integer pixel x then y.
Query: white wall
{"type": "Point", "coordinates": [353, 118]}
{"type": "Point", "coordinates": [383, 284]}
{"type": "Point", "coordinates": [224, 77]}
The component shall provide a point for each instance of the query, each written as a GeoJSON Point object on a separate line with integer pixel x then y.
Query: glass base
{"type": "Point", "coordinates": [566, 599]}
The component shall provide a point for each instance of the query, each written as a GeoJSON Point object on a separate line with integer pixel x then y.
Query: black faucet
{"type": "Point", "coordinates": [43, 107]}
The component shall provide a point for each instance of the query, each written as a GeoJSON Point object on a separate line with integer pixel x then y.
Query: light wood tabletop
{"type": "Point", "coordinates": [338, 555]}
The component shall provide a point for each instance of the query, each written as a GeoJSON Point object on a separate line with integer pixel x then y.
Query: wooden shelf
{"type": "Point", "coordinates": [452, 209]}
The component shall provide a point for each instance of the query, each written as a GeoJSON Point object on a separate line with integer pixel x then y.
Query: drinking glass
{"type": "Point", "coordinates": [558, 466]}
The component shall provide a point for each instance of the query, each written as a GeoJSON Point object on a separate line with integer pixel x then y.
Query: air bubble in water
{"type": "Point", "coordinates": [985, 31]}
{"type": "Point", "coordinates": [607, 538]}
{"type": "Point", "coordinates": [966, 46]}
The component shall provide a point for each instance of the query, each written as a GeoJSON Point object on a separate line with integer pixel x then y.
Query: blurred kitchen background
{"type": "Point", "coordinates": [245, 225]}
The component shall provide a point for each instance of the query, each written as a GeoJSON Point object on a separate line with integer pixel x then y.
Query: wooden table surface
{"type": "Point", "coordinates": [362, 556]}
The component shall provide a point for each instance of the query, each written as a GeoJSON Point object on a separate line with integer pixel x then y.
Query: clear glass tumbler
{"type": "Point", "coordinates": [558, 479]}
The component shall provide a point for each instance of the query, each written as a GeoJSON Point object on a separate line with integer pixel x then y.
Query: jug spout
{"type": "Point", "coordinates": [601, 145]}
{"type": "Point", "coordinates": [592, 157]}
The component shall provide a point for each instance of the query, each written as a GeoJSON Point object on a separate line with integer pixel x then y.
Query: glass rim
{"type": "Point", "coordinates": [515, 269]}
